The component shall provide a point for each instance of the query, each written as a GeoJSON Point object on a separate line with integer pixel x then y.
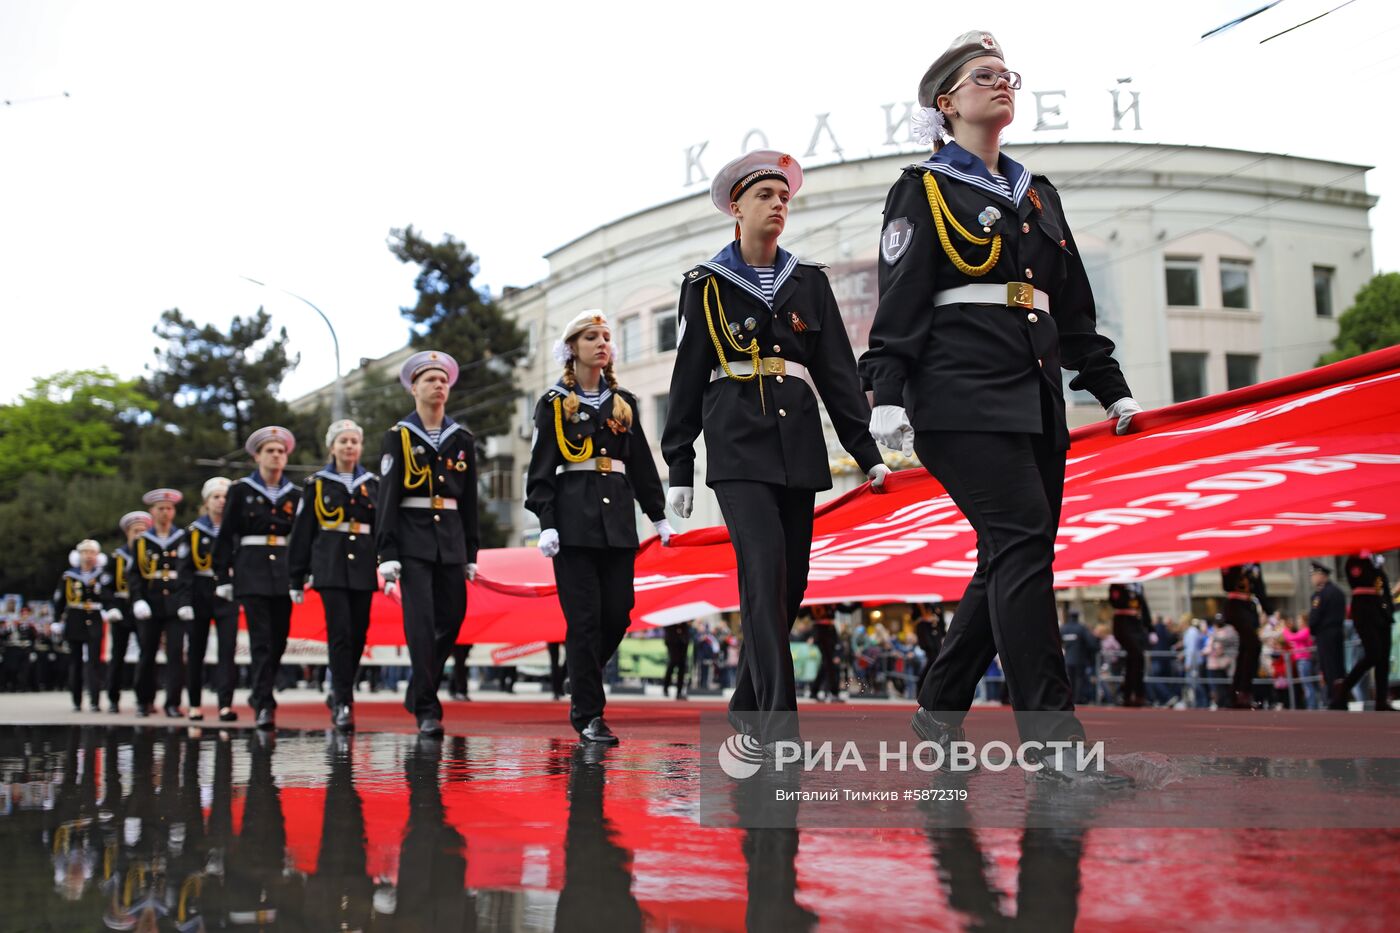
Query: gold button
{"type": "Point", "coordinates": [272, 557]}
{"type": "Point", "coordinates": [1030, 274]}
{"type": "Point", "coordinates": [350, 556]}
{"type": "Point", "coordinates": [780, 378]}
{"type": "Point", "coordinates": [352, 537]}
{"type": "Point", "coordinates": [782, 412]}
{"type": "Point", "coordinates": [1025, 228]}
{"type": "Point", "coordinates": [442, 479]}
{"type": "Point", "coordinates": [777, 349]}
{"type": "Point", "coordinates": [1032, 318]}
{"type": "Point", "coordinates": [607, 501]}
{"type": "Point", "coordinates": [437, 518]}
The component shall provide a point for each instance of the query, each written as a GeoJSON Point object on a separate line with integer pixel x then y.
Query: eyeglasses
{"type": "Point", "coordinates": [986, 77]}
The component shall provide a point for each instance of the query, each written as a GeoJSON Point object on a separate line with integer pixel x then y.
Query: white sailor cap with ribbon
{"type": "Point", "coordinates": [580, 323]}
{"type": "Point", "coordinates": [132, 518]}
{"type": "Point", "coordinates": [272, 432]}
{"type": "Point", "coordinates": [748, 170]}
{"type": "Point", "coordinates": [215, 484]}
{"type": "Point", "coordinates": [87, 544]}
{"type": "Point", "coordinates": [419, 363]}
{"type": "Point", "coordinates": [338, 428]}
{"type": "Point", "coordinates": [156, 496]}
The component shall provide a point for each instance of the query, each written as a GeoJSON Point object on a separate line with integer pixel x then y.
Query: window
{"type": "Point", "coordinates": [1241, 369]}
{"type": "Point", "coordinates": [1234, 283]}
{"type": "Point", "coordinates": [1184, 283]}
{"type": "Point", "coordinates": [1322, 290]}
{"type": "Point", "coordinates": [665, 318]}
{"type": "Point", "coordinates": [629, 338]}
{"type": "Point", "coordinates": [661, 404]}
{"type": "Point", "coordinates": [1188, 376]}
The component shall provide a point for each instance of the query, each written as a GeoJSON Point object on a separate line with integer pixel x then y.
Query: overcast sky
{"type": "Point", "coordinates": [282, 141]}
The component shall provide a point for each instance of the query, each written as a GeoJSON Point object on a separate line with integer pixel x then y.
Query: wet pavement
{"type": "Point", "coordinates": [514, 827]}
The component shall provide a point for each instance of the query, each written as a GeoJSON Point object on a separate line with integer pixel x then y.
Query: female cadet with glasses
{"type": "Point", "coordinates": [983, 297]}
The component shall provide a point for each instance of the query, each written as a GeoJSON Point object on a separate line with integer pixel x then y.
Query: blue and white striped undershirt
{"type": "Point", "coordinates": [765, 275]}
{"type": "Point", "coordinates": [1003, 184]}
{"type": "Point", "coordinates": [592, 399]}
{"type": "Point", "coordinates": [434, 434]}
{"type": "Point", "coordinates": [349, 478]}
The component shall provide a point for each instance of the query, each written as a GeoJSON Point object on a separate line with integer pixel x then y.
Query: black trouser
{"type": "Point", "coordinates": [556, 670]}
{"type": "Point", "coordinates": [1373, 628]}
{"type": "Point", "coordinates": [595, 592]}
{"type": "Point", "coordinates": [1331, 654]}
{"type": "Point", "coordinates": [828, 672]}
{"type": "Point", "coordinates": [675, 664]}
{"type": "Point", "coordinates": [84, 631]}
{"type": "Point", "coordinates": [148, 633]}
{"type": "Point", "coordinates": [1009, 486]}
{"type": "Point", "coordinates": [269, 621]}
{"type": "Point", "coordinates": [1245, 618]}
{"type": "Point", "coordinates": [460, 683]}
{"type": "Point", "coordinates": [770, 527]}
{"type": "Point", "coordinates": [930, 641]}
{"type": "Point", "coordinates": [434, 605]}
{"type": "Point", "coordinates": [223, 615]}
{"type": "Point", "coordinates": [347, 624]}
{"type": "Point", "coordinates": [1127, 630]}
{"type": "Point", "coordinates": [116, 663]}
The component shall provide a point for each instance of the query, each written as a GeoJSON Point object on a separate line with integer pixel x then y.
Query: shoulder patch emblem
{"type": "Point", "coordinates": [895, 239]}
{"type": "Point", "coordinates": [386, 463]}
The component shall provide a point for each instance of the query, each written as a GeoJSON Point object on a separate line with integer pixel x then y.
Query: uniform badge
{"type": "Point", "coordinates": [798, 325]}
{"type": "Point", "coordinates": [386, 463]}
{"type": "Point", "coordinates": [895, 239]}
{"type": "Point", "coordinates": [750, 323]}
{"type": "Point", "coordinates": [734, 328]}
{"type": "Point", "coordinates": [989, 216]}
{"type": "Point", "coordinates": [1035, 200]}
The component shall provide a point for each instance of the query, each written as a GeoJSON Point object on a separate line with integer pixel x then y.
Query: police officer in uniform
{"type": "Point", "coordinates": [427, 535]}
{"type": "Point", "coordinates": [677, 639]}
{"type": "Point", "coordinates": [1245, 600]}
{"type": "Point", "coordinates": [1132, 621]}
{"type": "Point", "coordinates": [983, 297]}
{"type": "Point", "coordinates": [760, 336]}
{"type": "Point", "coordinates": [333, 549]}
{"type": "Point", "coordinates": [1327, 622]}
{"type": "Point", "coordinates": [121, 624]}
{"type": "Point", "coordinates": [1371, 609]}
{"type": "Point", "coordinates": [160, 601]}
{"type": "Point", "coordinates": [80, 600]}
{"type": "Point", "coordinates": [589, 461]}
{"type": "Point", "coordinates": [208, 607]}
{"type": "Point", "coordinates": [250, 560]}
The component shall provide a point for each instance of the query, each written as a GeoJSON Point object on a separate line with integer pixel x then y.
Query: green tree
{"type": "Point", "coordinates": [1371, 323]}
{"type": "Point", "coordinates": [71, 424]}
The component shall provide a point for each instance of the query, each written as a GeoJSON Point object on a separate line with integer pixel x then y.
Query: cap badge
{"type": "Point", "coordinates": [987, 41]}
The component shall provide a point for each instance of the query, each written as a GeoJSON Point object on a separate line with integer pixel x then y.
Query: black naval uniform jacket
{"type": "Point", "coordinates": [1369, 573]}
{"type": "Point", "coordinates": [81, 597]}
{"type": "Point", "coordinates": [592, 508]}
{"type": "Point", "coordinates": [429, 528]}
{"type": "Point", "coordinates": [777, 439]}
{"type": "Point", "coordinates": [1247, 579]}
{"type": "Point", "coordinates": [336, 545]}
{"type": "Point", "coordinates": [980, 367]}
{"type": "Point", "coordinates": [203, 536]}
{"type": "Point", "coordinates": [163, 572]}
{"type": "Point", "coordinates": [1129, 601]}
{"type": "Point", "coordinates": [120, 569]}
{"type": "Point", "coordinates": [253, 510]}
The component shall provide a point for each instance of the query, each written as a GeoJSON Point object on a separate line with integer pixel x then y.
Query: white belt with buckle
{"type": "Point", "coordinates": [204, 573]}
{"type": "Point", "coordinates": [162, 575]}
{"type": "Point", "coordinates": [593, 465]}
{"type": "Point", "coordinates": [264, 540]}
{"type": "Point", "coordinates": [86, 607]}
{"type": "Point", "coordinates": [350, 528]}
{"type": "Point", "coordinates": [768, 366]}
{"type": "Point", "coordinates": [1011, 295]}
{"type": "Point", "coordinates": [428, 502]}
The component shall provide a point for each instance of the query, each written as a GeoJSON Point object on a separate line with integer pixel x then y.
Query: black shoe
{"type": "Point", "coordinates": [430, 727]}
{"type": "Point", "coordinates": [598, 731]}
{"type": "Point", "coordinates": [742, 725]}
{"type": "Point", "coordinates": [172, 712]}
{"type": "Point", "coordinates": [77, 707]}
{"type": "Point", "coordinates": [456, 695]}
{"type": "Point", "coordinates": [1339, 699]}
{"type": "Point", "coordinates": [226, 714]}
{"type": "Point", "coordinates": [143, 710]}
{"type": "Point", "coordinates": [113, 707]}
{"type": "Point", "coordinates": [1070, 776]}
{"type": "Point", "coordinates": [681, 696]}
{"type": "Point", "coordinates": [96, 706]}
{"type": "Point", "coordinates": [931, 729]}
{"type": "Point", "coordinates": [345, 718]}
{"type": "Point", "coordinates": [266, 719]}
{"type": "Point", "coordinates": [196, 714]}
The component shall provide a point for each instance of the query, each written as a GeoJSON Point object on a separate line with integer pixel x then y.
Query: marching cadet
{"type": "Point", "coordinates": [81, 599]}
{"type": "Point", "coordinates": [121, 624]}
{"type": "Point", "coordinates": [983, 297]}
{"type": "Point", "coordinates": [333, 549]}
{"type": "Point", "coordinates": [209, 609]}
{"type": "Point", "coordinates": [759, 331]}
{"type": "Point", "coordinates": [427, 533]}
{"type": "Point", "coordinates": [1132, 621]}
{"type": "Point", "coordinates": [1371, 609]}
{"type": "Point", "coordinates": [160, 601]}
{"type": "Point", "coordinates": [250, 560]}
{"type": "Point", "coordinates": [588, 462]}
{"type": "Point", "coordinates": [1246, 604]}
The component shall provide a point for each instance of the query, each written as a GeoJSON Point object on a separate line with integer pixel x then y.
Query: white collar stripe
{"type": "Point", "coordinates": [978, 182]}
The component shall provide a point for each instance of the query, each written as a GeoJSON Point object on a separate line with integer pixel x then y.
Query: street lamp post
{"type": "Point", "coordinates": [338, 397]}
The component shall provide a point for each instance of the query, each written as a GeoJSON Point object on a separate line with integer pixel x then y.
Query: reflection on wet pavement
{"type": "Point", "coordinates": [127, 828]}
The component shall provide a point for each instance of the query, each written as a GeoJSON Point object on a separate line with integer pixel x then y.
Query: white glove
{"type": "Point", "coordinates": [680, 500]}
{"type": "Point", "coordinates": [664, 529]}
{"type": "Point", "coordinates": [112, 615]}
{"type": "Point", "coordinates": [224, 591]}
{"type": "Point", "coordinates": [297, 596]}
{"type": "Point", "coordinates": [877, 476]}
{"type": "Point", "coordinates": [471, 572]}
{"type": "Point", "coordinates": [890, 426]}
{"type": "Point", "coordinates": [390, 587]}
{"type": "Point", "coordinates": [310, 582]}
{"type": "Point", "coordinates": [549, 542]}
{"type": "Point", "coordinates": [1123, 410]}
{"type": "Point", "coordinates": [185, 613]}
{"type": "Point", "coordinates": [390, 570]}
{"type": "Point", "coordinates": [141, 609]}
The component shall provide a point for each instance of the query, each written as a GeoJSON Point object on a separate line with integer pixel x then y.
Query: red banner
{"type": "Point", "coordinates": [1302, 466]}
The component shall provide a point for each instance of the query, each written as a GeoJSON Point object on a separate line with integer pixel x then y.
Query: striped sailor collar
{"type": "Point", "coordinates": [86, 576]}
{"type": "Point", "coordinates": [357, 476]}
{"type": "Point", "coordinates": [175, 534]}
{"type": "Point", "coordinates": [729, 263]}
{"type": "Point", "coordinates": [956, 162]}
{"type": "Point", "coordinates": [255, 480]}
{"type": "Point", "coordinates": [121, 551]}
{"type": "Point", "coordinates": [206, 524]}
{"type": "Point", "coordinates": [415, 424]}
{"type": "Point", "coordinates": [601, 397]}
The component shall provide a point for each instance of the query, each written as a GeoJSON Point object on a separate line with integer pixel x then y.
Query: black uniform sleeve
{"type": "Point", "coordinates": [135, 579]}
{"type": "Point", "coordinates": [304, 530]}
{"type": "Point", "coordinates": [904, 318]}
{"type": "Point", "coordinates": [230, 531]}
{"type": "Point", "coordinates": [690, 376]}
{"type": "Point", "coordinates": [184, 594]}
{"type": "Point", "coordinates": [1146, 612]}
{"type": "Point", "coordinates": [1082, 348]}
{"type": "Point", "coordinates": [834, 371]}
{"type": "Point", "coordinates": [390, 492]}
{"type": "Point", "coordinates": [1387, 600]}
{"type": "Point", "coordinates": [641, 469]}
{"type": "Point", "coordinates": [60, 597]}
{"type": "Point", "coordinates": [1261, 591]}
{"type": "Point", "coordinates": [471, 524]}
{"type": "Point", "coordinates": [544, 458]}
